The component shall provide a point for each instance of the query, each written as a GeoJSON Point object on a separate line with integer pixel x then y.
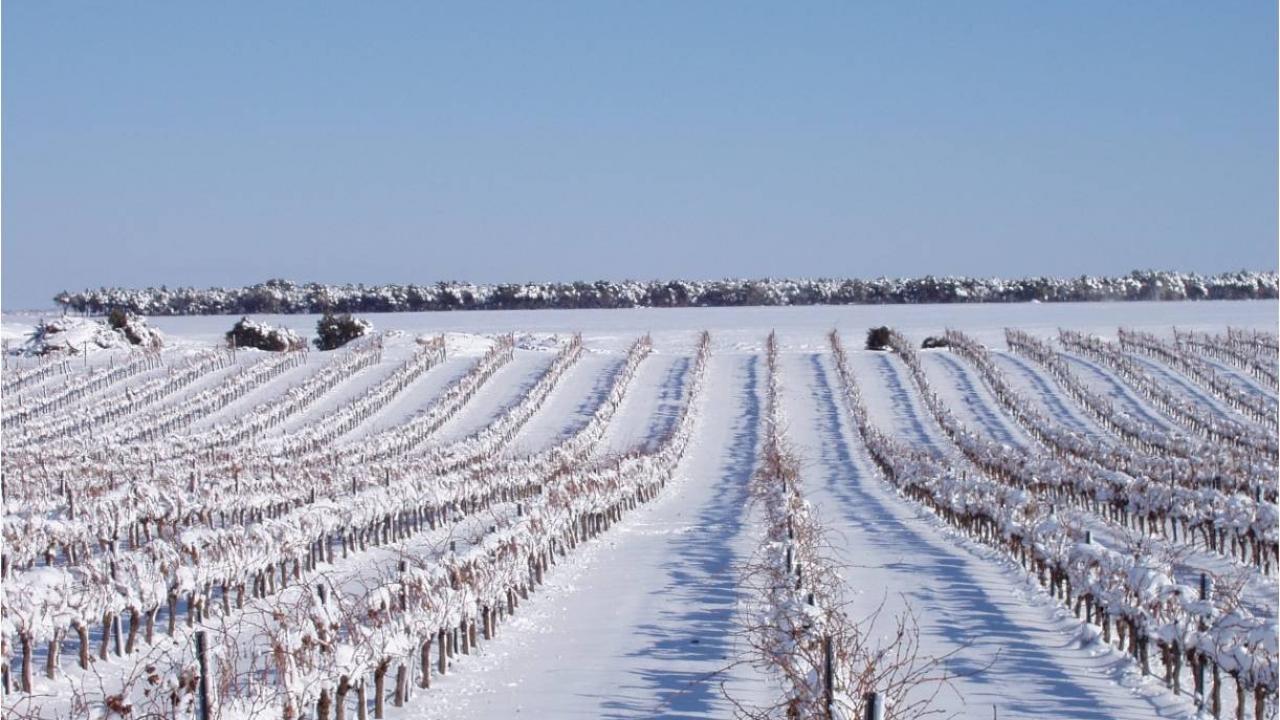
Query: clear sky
{"type": "Point", "coordinates": [224, 143]}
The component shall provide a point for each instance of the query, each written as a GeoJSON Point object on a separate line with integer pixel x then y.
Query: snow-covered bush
{"type": "Point", "coordinates": [878, 338]}
{"type": "Point", "coordinates": [250, 334]}
{"type": "Point", "coordinates": [74, 336]}
{"type": "Point", "coordinates": [135, 329]}
{"type": "Point", "coordinates": [334, 331]}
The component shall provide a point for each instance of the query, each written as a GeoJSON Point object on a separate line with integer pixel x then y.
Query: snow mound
{"type": "Point", "coordinates": [74, 336]}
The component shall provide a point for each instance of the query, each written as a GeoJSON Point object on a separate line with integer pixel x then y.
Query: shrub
{"type": "Point", "coordinates": [134, 329]}
{"type": "Point", "coordinates": [935, 342]}
{"type": "Point", "coordinates": [334, 331]}
{"type": "Point", "coordinates": [878, 338]}
{"type": "Point", "coordinates": [250, 334]}
{"type": "Point", "coordinates": [117, 319]}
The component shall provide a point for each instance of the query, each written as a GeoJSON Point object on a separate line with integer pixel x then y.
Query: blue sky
{"type": "Point", "coordinates": [149, 143]}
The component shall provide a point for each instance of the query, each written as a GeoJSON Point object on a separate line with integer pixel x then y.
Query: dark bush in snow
{"type": "Point", "coordinates": [117, 318]}
{"type": "Point", "coordinates": [250, 334]}
{"type": "Point", "coordinates": [334, 331]}
{"type": "Point", "coordinates": [935, 342]}
{"type": "Point", "coordinates": [878, 338]}
{"type": "Point", "coordinates": [134, 329]}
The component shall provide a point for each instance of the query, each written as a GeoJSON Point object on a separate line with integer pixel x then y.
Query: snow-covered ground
{"type": "Point", "coordinates": [647, 618]}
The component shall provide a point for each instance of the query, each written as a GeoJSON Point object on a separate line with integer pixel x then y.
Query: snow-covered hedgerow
{"type": "Point", "coordinates": [282, 296]}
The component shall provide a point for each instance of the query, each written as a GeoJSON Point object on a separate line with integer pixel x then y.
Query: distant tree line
{"type": "Point", "coordinates": [285, 297]}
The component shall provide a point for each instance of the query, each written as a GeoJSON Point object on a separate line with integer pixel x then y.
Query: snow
{"type": "Point", "coordinates": [1008, 651]}
{"type": "Point", "coordinates": [646, 618]}
{"type": "Point", "coordinates": [570, 405]}
{"type": "Point", "coordinates": [507, 387]}
{"type": "Point", "coordinates": [641, 624]}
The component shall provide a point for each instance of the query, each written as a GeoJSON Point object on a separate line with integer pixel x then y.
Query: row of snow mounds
{"type": "Point", "coordinates": [1139, 434]}
{"type": "Point", "coordinates": [181, 493]}
{"type": "Point", "coordinates": [165, 423]}
{"type": "Point", "coordinates": [1249, 404]}
{"type": "Point", "coordinates": [95, 380]}
{"type": "Point", "coordinates": [1056, 481]}
{"type": "Point", "coordinates": [35, 484]}
{"type": "Point", "coordinates": [328, 638]}
{"type": "Point", "coordinates": [112, 408]}
{"type": "Point", "coordinates": [1205, 423]}
{"type": "Point", "coordinates": [286, 505]}
{"type": "Point", "coordinates": [276, 411]}
{"type": "Point", "coordinates": [399, 441]}
{"type": "Point", "coordinates": [446, 601]}
{"type": "Point", "coordinates": [579, 446]}
{"type": "Point", "coordinates": [1236, 349]}
{"type": "Point", "coordinates": [1150, 493]}
{"type": "Point", "coordinates": [271, 413]}
{"type": "Point", "coordinates": [1081, 481]}
{"type": "Point", "coordinates": [1258, 342]}
{"type": "Point", "coordinates": [429, 354]}
{"type": "Point", "coordinates": [487, 442]}
{"type": "Point", "coordinates": [1132, 598]}
{"type": "Point", "coordinates": [99, 476]}
{"type": "Point", "coordinates": [17, 379]}
{"type": "Point", "coordinates": [797, 629]}
{"type": "Point", "coordinates": [1234, 464]}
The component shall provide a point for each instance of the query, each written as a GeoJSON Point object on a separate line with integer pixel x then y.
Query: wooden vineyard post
{"type": "Point", "coordinates": [873, 706]}
{"type": "Point", "coordinates": [1199, 666]}
{"type": "Point", "coordinates": [828, 678]}
{"type": "Point", "coordinates": [323, 705]}
{"type": "Point", "coordinates": [425, 659]}
{"type": "Point", "coordinates": [444, 654]}
{"type": "Point", "coordinates": [25, 639]}
{"type": "Point", "coordinates": [202, 656]}
{"type": "Point", "coordinates": [340, 698]}
{"type": "Point", "coordinates": [402, 685]}
{"type": "Point", "coordinates": [379, 688]}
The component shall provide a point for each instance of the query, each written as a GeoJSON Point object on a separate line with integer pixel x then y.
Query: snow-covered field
{"type": "Point", "coordinates": [486, 514]}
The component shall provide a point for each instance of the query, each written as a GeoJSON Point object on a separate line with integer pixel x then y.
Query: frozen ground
{"type": "Point", "coordinates": [646, 619]}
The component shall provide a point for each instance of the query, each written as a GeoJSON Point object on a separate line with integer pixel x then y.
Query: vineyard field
{"type": "Point", "coordinates": [1069, 511]}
